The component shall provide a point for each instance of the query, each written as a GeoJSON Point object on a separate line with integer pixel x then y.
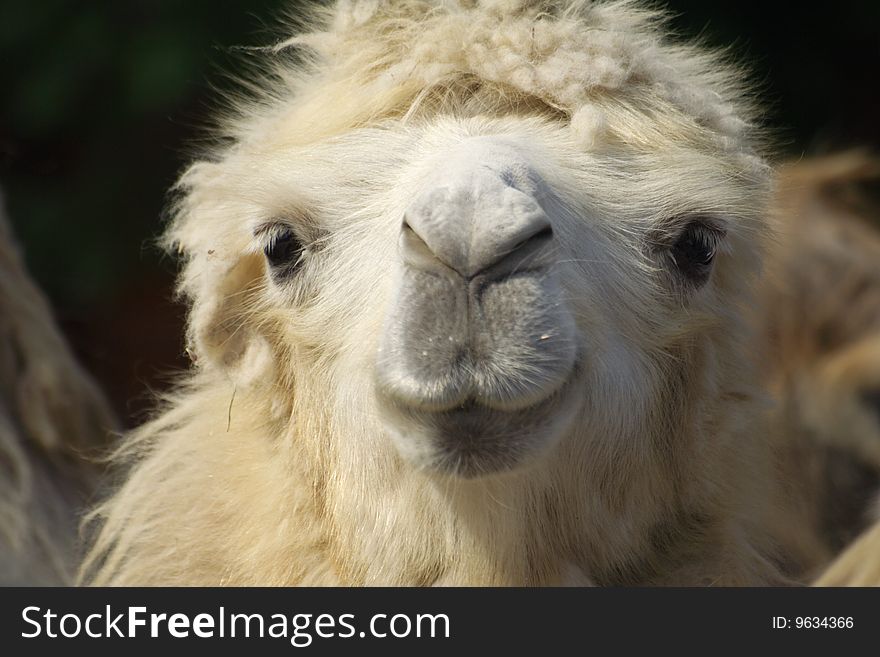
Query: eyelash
{"type": "Point", "coordinates": [693, 250]}
{"type": "Point", "coordinates": [282, 247]}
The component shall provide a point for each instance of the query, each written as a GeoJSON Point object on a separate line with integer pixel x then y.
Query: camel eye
{"type": "Point", "coordinates": [694, 250]}
{"type": "Point", "coordinates": [284, 252]}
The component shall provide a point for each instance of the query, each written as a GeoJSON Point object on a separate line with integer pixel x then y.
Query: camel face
{"type": "Point", "coordinates": [509, 242]}
{"type": "Point", "coordinates": [520, 290]}
{"type": "Point", "coordinates": [478, 343]}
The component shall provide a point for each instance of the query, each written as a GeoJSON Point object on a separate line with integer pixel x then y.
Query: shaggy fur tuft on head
{"type": "Point", "coordinates": [278, 462]}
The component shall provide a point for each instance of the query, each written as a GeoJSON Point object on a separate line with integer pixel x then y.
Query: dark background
{"type": "Point", "coordinates": [101, 101]}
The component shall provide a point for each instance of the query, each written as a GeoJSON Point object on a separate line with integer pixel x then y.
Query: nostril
{"type": "Point", "coordinates": [414, 248]}
{"type": "Point", "coordinates": [406, 228]}
{"type": "Point", "coordinates": [541, 236]}
{"type": "Point", "coordinates": [544, 233]}
{"type": "Point", "coordinates": [475, 227]}
{"type": "Point", "coordinates": [410, 237]}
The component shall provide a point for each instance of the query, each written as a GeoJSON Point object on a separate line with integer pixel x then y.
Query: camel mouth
{"type": "Point", "coordinates": [473, 439]}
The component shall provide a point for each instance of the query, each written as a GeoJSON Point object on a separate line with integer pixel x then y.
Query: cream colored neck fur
{"type": "Point", "coordinates": [278, 496]}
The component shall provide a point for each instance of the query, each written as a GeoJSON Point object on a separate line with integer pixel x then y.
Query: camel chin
{"type": "Point", "coordinates": [474, 440]}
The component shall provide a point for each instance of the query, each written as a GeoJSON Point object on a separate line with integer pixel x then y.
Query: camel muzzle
{"type": "Point", "coordinates": [478, 343]}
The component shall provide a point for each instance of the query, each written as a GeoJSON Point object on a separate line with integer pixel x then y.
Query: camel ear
{"type": "Point", "coordinates": [223, 332]}
{"type": "Point", "coordinates": [221, 276]}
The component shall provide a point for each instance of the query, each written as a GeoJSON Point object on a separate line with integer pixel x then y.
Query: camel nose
{"type": "Point", "coordinates": [473, 225]}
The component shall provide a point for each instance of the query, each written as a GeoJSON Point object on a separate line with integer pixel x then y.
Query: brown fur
{"type": "Point", "coordinates": [51, 417]}
{"type": "Point", "coordinates": [820, 314]}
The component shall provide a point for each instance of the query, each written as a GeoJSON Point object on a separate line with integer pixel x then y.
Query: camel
{"type": "Point", "coordinates": [819, 317]}
{"type": "Point", "coordinates": [858, 565]}
{"type": "Point", "coordinates": [467, 285]}
{"type": "Point", "coordinates": [53, 420]}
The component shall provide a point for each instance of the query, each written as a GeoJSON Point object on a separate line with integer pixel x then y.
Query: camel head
{"type": "Point", "coordinates": [468, 285]}
{"type": "Point", "coordinates": [477, 259]}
